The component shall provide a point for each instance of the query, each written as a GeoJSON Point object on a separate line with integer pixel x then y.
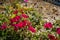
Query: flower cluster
{"type": "Point", "coordinates": [18, 23]}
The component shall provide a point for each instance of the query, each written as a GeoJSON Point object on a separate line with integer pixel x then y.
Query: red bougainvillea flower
{"type": "Point", "coordinates": [32, 29]}
{"type": "Point", "coordinates": [28, 23]}
{"type": "Point", "coordinates": [3, 27]}
{"type": "Point", "coordinates": [48, 25]}
{"type": "Point", "coordinates": [51, 37]}
{"type": "Point", "coordinates": [21, 24]}
{"type": "Point", "coordinates": [25, 15]}
{"type": "Point", "coordinates": [15, 12]}
{"type": "Point", "coordinates": [25, 0]}
{"type": "Point", "coordinates": [58, 30]}
{"type": "Point", "coordinates": [15, 19]}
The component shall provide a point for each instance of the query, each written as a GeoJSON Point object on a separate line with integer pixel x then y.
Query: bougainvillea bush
{"type": "Point", "coordinates": [25, 23]}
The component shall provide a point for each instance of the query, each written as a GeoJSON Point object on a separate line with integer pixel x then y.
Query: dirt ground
{"type": "Point", "coordinates": [50, 11]}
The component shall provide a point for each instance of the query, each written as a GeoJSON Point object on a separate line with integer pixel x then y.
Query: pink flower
{"type": "Point", "coordinates": [58, 30]}
{"type": "Point", "coordinates": [3, 27]}
{"type": "Point", "coordinates": [25, 15]}
{"type": "Point", "coordinates": [25, 0]}
{"type": "Point", "coordinates": [51, 37]}
{"type": "Point", "coordinates": [48, 25]}
{"type": "Point", "coordinates": [15, 12]}
{"type": "Point", "coordinates": [32, 29]}
{"type": "Point", "coordinates": [15, 19]}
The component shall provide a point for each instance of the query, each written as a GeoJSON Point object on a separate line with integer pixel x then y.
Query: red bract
{"type": "Point", "coordinates": [48, 25]}
{"type": "Point", "coordinates": [28, 23]}
{"type": "Point", "coordinates": [31, 29]}
{"type": "Point", "coordinates": [25, 15]}
{"type": "Point", "coordinates": [15, 19]}
{"type": "Point", "coordinates": [58, 30]}
{"type": "Point", "coordinates": [15, 12]}
{"type": "Point", "coordinates": [3, 27]}
{"type": "Point", "coordinates": [21, 24]}
{"type": "Point", "coordinates": [51, 37]}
